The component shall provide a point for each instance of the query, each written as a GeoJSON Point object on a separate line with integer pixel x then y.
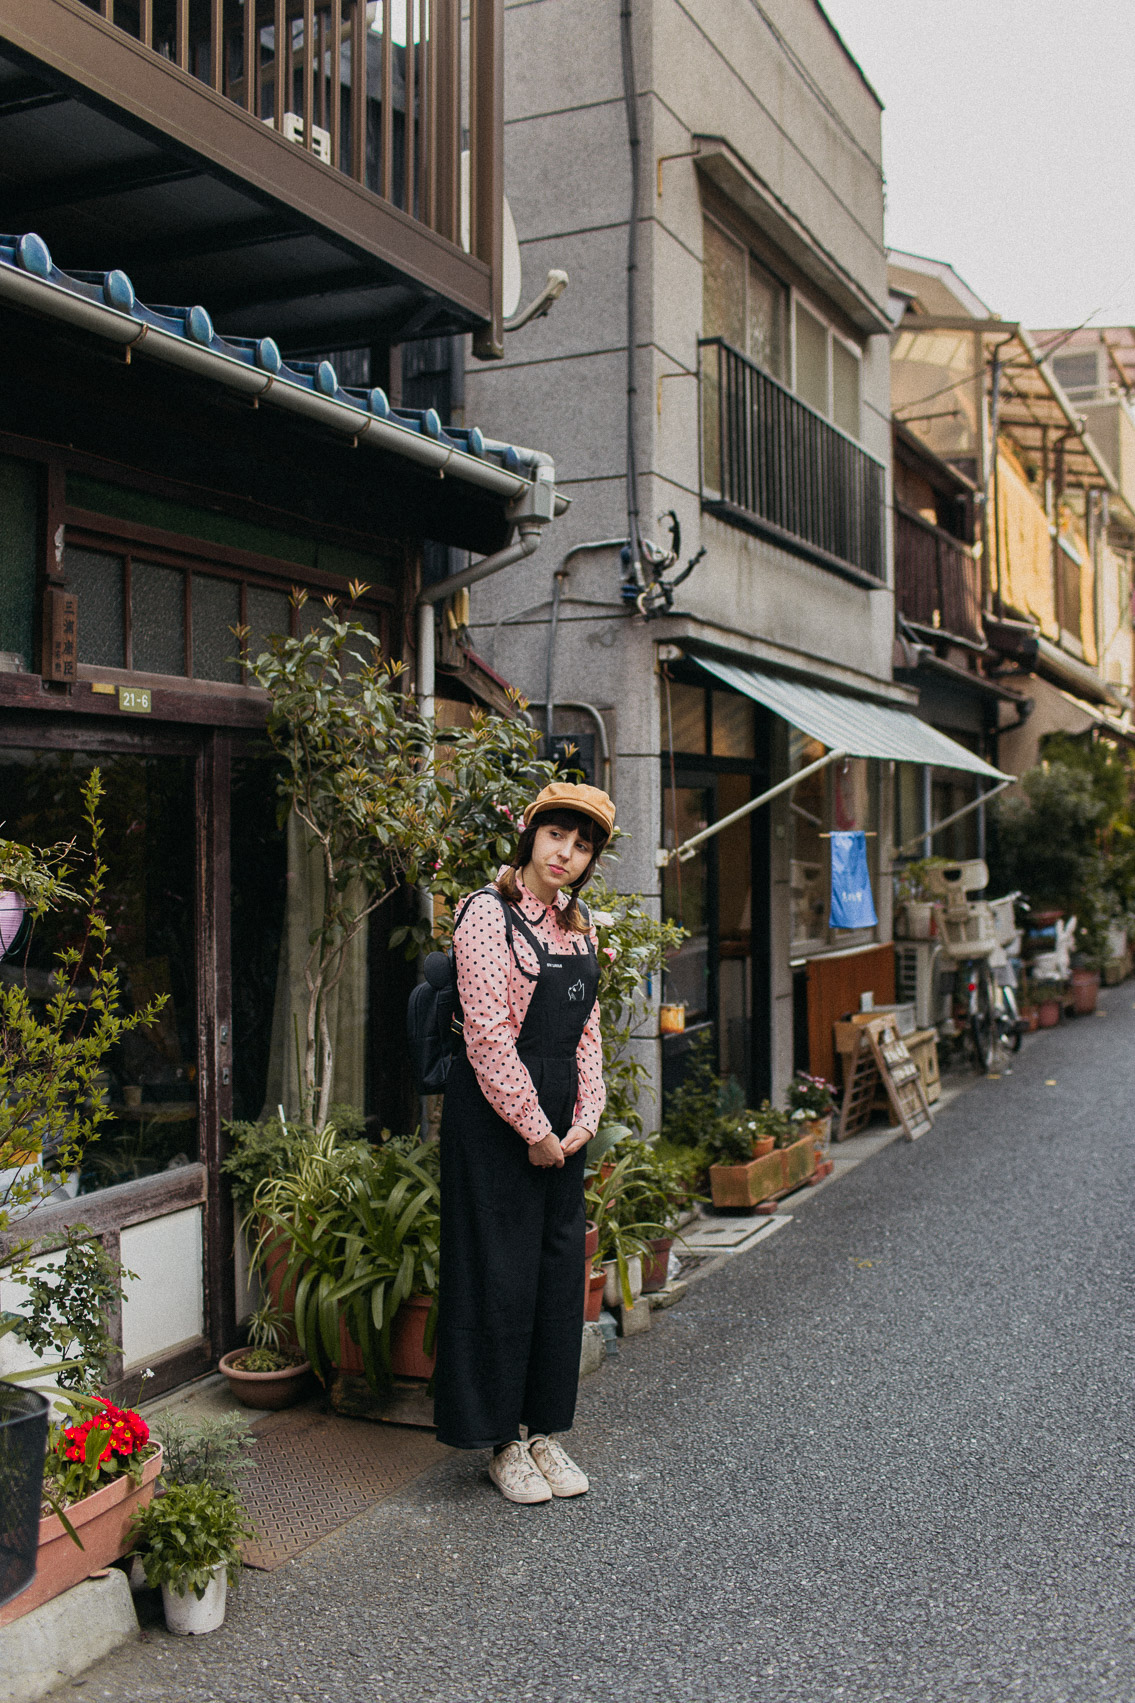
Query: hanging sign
{"type": "Point", "coordinates": [852, 905]}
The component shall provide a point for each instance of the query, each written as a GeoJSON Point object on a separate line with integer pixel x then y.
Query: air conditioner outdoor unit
{"type": "Point", "coordinates": [924, 981]}
{"type": "Point", "coordinates": [292, 130]}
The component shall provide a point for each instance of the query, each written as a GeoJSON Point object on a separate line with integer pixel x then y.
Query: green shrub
{"type": "Point", "coordinates": [213, 1451]}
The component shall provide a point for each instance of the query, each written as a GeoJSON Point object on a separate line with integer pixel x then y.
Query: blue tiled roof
{"type": "Point", "coordinates": [116, 311]}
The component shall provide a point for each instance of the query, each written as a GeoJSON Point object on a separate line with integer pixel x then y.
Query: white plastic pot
{"type": "Point", "coordinates": [612, 1289]}
{"type": "Point", "coordinates": [187, 1613]}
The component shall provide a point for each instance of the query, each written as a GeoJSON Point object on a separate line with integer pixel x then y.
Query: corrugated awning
{"type": "Point", "coordinates": [854, 725]}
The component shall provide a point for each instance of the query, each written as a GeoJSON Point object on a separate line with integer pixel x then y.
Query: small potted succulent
{"type": "Point", "coordinates": [270, 1373]}
{"type": "Point", "coordinates": [188, 1541]}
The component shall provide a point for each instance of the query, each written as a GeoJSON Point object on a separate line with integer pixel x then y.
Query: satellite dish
{"type": "Point", "coordinates": [511, 281]}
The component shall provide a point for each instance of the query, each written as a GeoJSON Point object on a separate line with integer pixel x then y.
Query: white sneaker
{"type": "Point", "coordinates": [516, 1478]}
{"type": "Point", "coordinates": [557, 1467]}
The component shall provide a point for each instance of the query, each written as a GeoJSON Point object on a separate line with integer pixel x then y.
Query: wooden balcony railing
{"type": "Point", "coordinates": [380, 90]}
{"type": "Point", "coordinates": [773, 464]}
{"type": "Point", "coordinates": [937, 580]}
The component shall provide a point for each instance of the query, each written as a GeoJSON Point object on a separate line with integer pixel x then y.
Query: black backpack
{"type": "Point", "coordinates": [434, 1023]}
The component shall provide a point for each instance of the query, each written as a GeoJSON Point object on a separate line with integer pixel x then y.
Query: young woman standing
{"type": "Point", "coordinates": [521, 1103]}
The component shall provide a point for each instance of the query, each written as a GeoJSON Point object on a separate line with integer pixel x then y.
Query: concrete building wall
{"type": "Point", "coordinates": [779, 89]}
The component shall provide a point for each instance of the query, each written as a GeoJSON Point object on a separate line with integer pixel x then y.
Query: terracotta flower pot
{"type": "Point", "coordinates": [103, 1522]}
{"type": "Point", "coordinates": [593, 1303]}
{"type": "Point", "coordinates": [763, 1144]}
{"type": "Point", "coordinates": [591, 1242]}
{"type": "Point", "coordinates": [268, 1391]}
{"type": "Point", "coordinates": [656, 1269]}
{"type": "Point", "coordinates": [1048, 1013]}
{"type": "Point", "coordinates": [408, 1358]}
{"type": "Point", "coordinates": [1085, 991]}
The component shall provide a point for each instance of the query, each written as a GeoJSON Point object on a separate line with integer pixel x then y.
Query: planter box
{"type": "Point", "coordinates": [760, 1179]}
{"type": "Point", "coordinates": [103, 1522]}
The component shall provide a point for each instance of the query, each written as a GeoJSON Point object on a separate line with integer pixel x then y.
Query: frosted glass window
{"type": "Point", "coordinates": [216, 610]}
{"type": "Point", "coordinates": [845, 388]}
{"type": "Point", "coordinates": [766, 320]}
{"type": "Point", "coordinates": [268, 612]}
{"type": "Point", "coordinates": [723, 286]}
{"type": "Point", "coordinates": [157, 619]}
{"type": "Point", "coordinates": [96, 579]}
{"type": "Point", "coordinates": [811, 359]}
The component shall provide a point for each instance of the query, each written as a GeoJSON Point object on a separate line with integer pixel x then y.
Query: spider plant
{"type": "Point", "coordinates": [361, 1227]}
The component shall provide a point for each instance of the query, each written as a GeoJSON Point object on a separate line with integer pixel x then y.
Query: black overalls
{"type": "Point", "coordinates": [510, 1311]}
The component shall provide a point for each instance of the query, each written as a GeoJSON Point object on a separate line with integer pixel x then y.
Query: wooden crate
{"type": "Point", "coordinates": [923, 1049]}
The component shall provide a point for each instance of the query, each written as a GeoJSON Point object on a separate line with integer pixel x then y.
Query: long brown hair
{"type": "Point", "coordinates": [588, 830]}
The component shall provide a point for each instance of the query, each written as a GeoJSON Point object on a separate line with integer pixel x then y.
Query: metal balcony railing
{"type": "Point", "coordinates": [937, 579]}
{"type": "Point", "coordinates": [374, 88]}
{"type": "Point", "coordinates": [773, 464]}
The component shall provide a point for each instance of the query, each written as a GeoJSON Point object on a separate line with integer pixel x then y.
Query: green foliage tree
{"type": "Point", "coordinates": [1066, 837]}
{"type": "Point", "coordinates": [389, 800]}
{"type": "Point", "coordinates": [52, 1098]}
{"type": "Point", "coordinates": [68, 1305]}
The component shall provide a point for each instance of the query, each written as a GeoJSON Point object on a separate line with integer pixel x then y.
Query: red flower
{"type": "Point", "coordinates": [124, 1430]}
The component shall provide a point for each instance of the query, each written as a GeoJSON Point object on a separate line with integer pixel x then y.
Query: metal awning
{"type": "Point", "coordinates": [855, 726]}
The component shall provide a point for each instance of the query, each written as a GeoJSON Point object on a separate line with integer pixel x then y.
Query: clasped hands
{"type": "Point", "coordinates": [553, 1151]}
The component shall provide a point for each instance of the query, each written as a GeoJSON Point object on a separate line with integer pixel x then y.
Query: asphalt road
{"type": "Point", "coordinates": [886, 1455]}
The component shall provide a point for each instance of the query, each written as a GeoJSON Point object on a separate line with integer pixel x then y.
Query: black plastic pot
{"type": "Point", "coordinates": [23, 1440]}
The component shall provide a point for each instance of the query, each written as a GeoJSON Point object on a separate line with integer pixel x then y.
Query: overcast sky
{"type": "Point", "coordinates": [1009, 145]}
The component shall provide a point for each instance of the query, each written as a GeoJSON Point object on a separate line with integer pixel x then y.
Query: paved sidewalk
{"type": "Point", "coordinates": [885, 1455]}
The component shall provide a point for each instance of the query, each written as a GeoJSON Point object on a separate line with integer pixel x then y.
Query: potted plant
{"type": "Point", "coordinates": [361, 1226]}
{"type": "Point", "coordinates": [268, 1374]}
{"type": "Point", "coordinates": [811, 1101]}
{"type": "Point", "coordinates": [99, 1470]}
{"type": "Point", "coordinates": [188, 1540]}
{"type": "Point", "coordinates": [620, 1203]}
{"type": "Point", "coordinates": [1049, 997]}
{"type": "Point", "coordinates": [659, 1188]}
{"type": "Point", "coordinates": [737, 1178]}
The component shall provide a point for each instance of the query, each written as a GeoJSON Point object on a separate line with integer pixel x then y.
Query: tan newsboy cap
{"type": "Point", "coordinates": [565, 795]}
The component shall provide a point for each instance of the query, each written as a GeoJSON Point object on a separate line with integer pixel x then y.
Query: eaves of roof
{"type": "Point", "coordinates": [104, 304]}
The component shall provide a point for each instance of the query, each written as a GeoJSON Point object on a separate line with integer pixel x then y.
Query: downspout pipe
{"type": "Point", "coordinates": [524, 545]}
{"type": "Point", "coordinates": [634, 143]}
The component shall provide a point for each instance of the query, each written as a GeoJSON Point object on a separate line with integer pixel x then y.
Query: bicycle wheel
{"type": "Point", "coordinates": [1010, 1017]}
{"type": "Point", "coordinates": [983, 1017]}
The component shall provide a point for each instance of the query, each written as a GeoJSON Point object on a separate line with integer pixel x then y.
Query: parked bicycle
{"type": "Point", "coordinates": [975, 934]}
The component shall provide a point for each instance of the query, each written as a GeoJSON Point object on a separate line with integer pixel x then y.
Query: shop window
{"type": "Point", "coordinates": [683, 718]}
{"type": "Point", "coordinates": [734, 930]}
{"type": "Point", "coordinates": [733, 725]}
{"type": "Point", "coordinates": [149, 846]}
{"type": "Point", "coordinates": [685, 899]}
{"type": "Point", "coordinates": [841, 797]}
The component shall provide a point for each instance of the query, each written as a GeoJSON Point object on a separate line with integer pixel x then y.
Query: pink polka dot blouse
{"type": "Point", "coordinates": [495, 997]}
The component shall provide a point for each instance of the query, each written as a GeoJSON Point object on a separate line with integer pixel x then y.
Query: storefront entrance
{"type": "Point", "coordinates": [720, 974]}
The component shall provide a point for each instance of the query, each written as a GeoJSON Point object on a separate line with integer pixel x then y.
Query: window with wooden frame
{"type": "Point", "coordinates": [151, 603]}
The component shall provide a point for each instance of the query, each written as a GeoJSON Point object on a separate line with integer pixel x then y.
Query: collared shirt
{"type": "Point", "coordinates": [495, 997]}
